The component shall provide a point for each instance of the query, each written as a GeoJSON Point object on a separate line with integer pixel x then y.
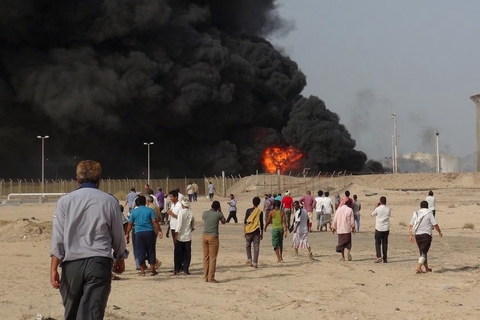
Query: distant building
{"type": "Point", "coordinates": [469, 163]}
{"type": "Point", "coordinates": [427, 162]}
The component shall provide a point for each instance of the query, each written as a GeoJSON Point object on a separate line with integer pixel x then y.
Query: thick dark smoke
{"type": "Point", "coordinates": [314, 128]}
{"type": "Point", "coordinates": [101, 77]}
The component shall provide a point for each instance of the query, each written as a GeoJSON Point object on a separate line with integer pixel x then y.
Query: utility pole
{"type": "Point", "coordinates": [148, 144]}
{"type": "Point", "coordinates": [438, 150]}
{"type": "Point", "coordinates": [43, 163]}
{"type": "Point", "coordinates": [395, 144]}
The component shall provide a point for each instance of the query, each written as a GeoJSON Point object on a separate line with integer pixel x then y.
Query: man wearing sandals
{"type": "Point", "coordinates": [183, 239]}
{"type": "Point", "coordinates": [344, 225]}
{"type": "Point", "coordinates": [87, 227]}
{"type": "Point", "coordinates": [308, 203]}
{"type": "Point", "coordinates": [300, 230]}
{"type": "Point", "coordinates": [421, 227]}
{"type": "Point", "coordinates": [382, 229]}
{"type": "Point", "coordinates": [210, 240]}
{"type": "Point", "coordinates": [146, 230]}
{"type": "Point", "coordinates": [253, 231]}
{"type": "Point", "coordinates": [151, 204]}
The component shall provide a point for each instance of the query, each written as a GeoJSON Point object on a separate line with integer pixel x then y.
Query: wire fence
{"type": "Point", "coordinates": [257, 183]}
{"type": "Point", "coordinates": [118, 187]}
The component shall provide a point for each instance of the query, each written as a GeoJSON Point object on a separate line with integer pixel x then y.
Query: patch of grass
{"type": "Point", "coordinates": [329, 189]}
{"type": "Point", "coordinates": [403, 224]}
{"type": "Point", "coordinates": [26, 316]}
{"type": "Point", "coordinates": [109, 315]}
{"type": "Point", "coordinates": [469, 225]}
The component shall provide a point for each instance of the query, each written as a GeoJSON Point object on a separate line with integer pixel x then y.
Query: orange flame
{"type": "Point", "coordinates": [277, 158]}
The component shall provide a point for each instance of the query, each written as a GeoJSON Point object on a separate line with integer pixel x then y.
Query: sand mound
{"type": "Point", "coordinates": [25, 230]}
{"type": "Point", "coordinates": [369, 183]}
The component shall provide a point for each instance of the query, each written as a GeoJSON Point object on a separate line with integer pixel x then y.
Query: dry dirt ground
{"type": "Point", "coordinates": [323, 288]}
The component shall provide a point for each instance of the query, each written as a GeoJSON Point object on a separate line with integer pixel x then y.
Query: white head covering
{"type": "Point", "coordinates": [186, 203]}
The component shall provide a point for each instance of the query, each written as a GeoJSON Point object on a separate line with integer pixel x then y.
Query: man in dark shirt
{"type": "Point", "coordinates": [253, 232]}
{"type": "Point", "coordinates": [161, 203]}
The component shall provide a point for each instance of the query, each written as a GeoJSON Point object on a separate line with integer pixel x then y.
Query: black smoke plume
{"type": "Point", "coordinates": [197, 78]}
{"type": "Point", "coordinates": [314, 128]}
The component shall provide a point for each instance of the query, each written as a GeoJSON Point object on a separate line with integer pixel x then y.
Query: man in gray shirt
{"type": "Point", "coordinates": [87, 227]}
{"type": "Point", "coordinates": [130, 201]}
{"type": "Point", "coordinates": [356, 207]}
{"type": "Point", "coordinates": [211, 190]}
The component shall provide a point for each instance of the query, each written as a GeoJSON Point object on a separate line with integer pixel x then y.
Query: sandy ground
{"type": "Point", "coordinates": [324, 288]}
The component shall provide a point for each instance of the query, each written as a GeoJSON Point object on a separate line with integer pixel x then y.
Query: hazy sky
{"type": "Point", "coordinates": [369, 59]}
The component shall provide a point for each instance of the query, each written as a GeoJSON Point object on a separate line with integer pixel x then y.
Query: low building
{"type": "Point", "coordinates": [427, 162]}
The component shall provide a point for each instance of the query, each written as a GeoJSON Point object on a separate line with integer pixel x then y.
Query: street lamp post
{"type": "Point", "coordinates": [395, 144]}
{"type": "Point", "coordinates": [43, 162]}
{"type": "Point", "coordinates": [148, 144]}
{"type": "Point", "coordinates": [438, 150]}
{"type": "Point", "coordinates": [393, 154]}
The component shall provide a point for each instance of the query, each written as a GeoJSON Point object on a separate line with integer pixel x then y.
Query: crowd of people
{"type": "Point", "coordinates": [90, 248]}
{"type": "Point", "coordinates": [340, 215]}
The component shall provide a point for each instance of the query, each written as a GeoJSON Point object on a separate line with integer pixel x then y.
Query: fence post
{"type": "Point", "coordinates": [338, 180]}
{"type": "Point", "coordinates": [205, 184]}
{"type": "Point", "coordinates": [224, 189]}
{"type": "Point", "coordinates": [264, 184]}
{"type": "Point", "coordinates": [256, 186]}
{"type": "Point", "coordinates": [298, 186]}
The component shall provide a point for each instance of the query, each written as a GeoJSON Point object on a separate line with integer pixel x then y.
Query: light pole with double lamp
{"type": "Point", "coordinates": [43, 162]}
{"type": "Point", "coordinates": [148, 144]}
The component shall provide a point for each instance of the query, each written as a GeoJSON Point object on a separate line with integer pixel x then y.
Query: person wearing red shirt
{"type": "Point", "coordinates": [287, 206]}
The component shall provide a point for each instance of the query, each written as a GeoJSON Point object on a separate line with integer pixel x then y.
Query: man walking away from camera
{"type": "Point", "coordinates": [232, 209]}
{"type": "Point", "coordinates": [356, 207]}
{"type": "Point", "coordinates": [87, 235]}
{"type": "Point", "coordinates": [431, 202]}
{"type": "Point", "coordinates": [287, 202]}
{"type": "Point", "coordinates": [421, 226]}
{"type": "Point", "coordinates": [210, 240]}
{"type": "Point", "coordinates": [382, 215]}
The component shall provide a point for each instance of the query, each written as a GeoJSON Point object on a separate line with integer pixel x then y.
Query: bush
{"type": "Point", "coordinates": [469, 225]}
